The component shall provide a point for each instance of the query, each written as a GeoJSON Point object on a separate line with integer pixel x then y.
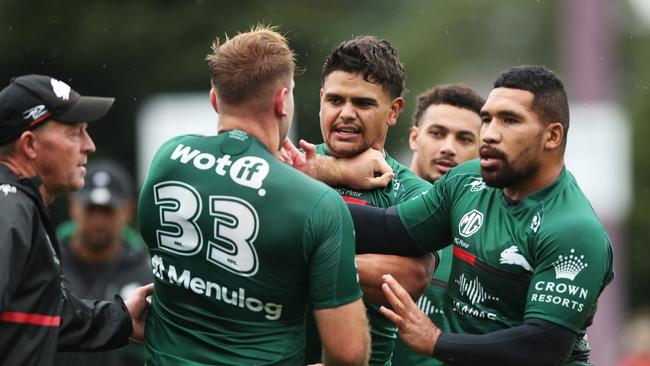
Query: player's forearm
{"type": "Point", "coordinates": [350, 320]}
{"type": "Point", "coordinates": [380, 231]}
{"type": "Point", "coordinates": [535, 342]}
{"type": "Point", "coordinates": [413, 273]}
{"type": "Point", "coordinates": [326, 169]}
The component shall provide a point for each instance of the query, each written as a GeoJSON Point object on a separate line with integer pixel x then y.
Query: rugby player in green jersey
{"type": "Point", "coordinates": [241, 243]}
{"type": "Point", "coordinates": [361, 97]}
{"type": "Point", "coordinates": [445, 133]}
{"type": "Point", "coordinates": [530, 255]}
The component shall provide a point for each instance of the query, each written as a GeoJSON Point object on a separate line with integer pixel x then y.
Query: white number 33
{"type": "Point", "coordinates": [234, 224]}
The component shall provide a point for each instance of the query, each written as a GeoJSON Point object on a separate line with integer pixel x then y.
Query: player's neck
{"type": "Point", "coordinates": [266, 132]}
{"type": "Point", "coordinates": [544, 177]}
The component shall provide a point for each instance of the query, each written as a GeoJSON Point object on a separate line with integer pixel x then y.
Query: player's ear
{"type": "Point", "coordinates": [553, 135]}
{"type": "Point", "coordinates": [280, 101]}
{"type": "Point", "coordinates": [396, 107]}
{"type": "Point", "coordinates": [413, 136]}
{"type": "Point", "coordinates": [213, 100]}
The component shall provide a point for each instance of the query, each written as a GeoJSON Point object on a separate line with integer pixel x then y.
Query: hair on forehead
{"type": "Point", "coordinates": [373, 58]}
{"type": "Point", "coordinates": [248, 65]}
{"type": "Point", "coordinates": [456, 95]}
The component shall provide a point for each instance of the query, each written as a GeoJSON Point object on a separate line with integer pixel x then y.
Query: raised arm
{"type": "Point", "coordinates": [368, 170]}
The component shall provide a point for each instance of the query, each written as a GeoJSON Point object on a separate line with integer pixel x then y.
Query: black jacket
{"type": "Point", "coordinates": [38, 315]}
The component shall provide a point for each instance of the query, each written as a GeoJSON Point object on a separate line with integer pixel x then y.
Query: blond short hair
{"type": "Point", "coordinates": [248, 66]}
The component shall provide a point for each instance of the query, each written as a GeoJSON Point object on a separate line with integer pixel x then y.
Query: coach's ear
{"type": "Point", "coordinates": [213, 100]}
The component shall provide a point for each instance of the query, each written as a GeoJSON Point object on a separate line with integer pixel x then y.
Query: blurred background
{"type": "Point", "coordinates": [149, 55]}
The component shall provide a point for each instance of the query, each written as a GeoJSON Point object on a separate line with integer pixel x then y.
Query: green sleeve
{"type": "Point", "coordinates": [333, 278]}
{"type": "Point", "coordinates": [427, 216]}
{"type": "Point", "coordinates": [413, 186]}
{"type": "Point", "coordinates": [573, 265]}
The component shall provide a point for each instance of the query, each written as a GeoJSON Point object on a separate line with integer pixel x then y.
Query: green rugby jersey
{"type": "Point", "coordinates": [546, 257]}
{"type": "Point", "coordinates": [406, 185]}
{"type": "Point", "coordinates": [240, 245]}
{"type": "Point", "coordinates": [433, 303]}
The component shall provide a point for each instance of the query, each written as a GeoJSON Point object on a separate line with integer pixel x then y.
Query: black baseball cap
{"type": "Point", "coordinates": [106, 184]}
{"type": "Point", "coordinates": [30, 100]}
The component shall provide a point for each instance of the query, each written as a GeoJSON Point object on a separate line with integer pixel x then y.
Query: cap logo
{"type": "Point", "coordinates": [35, 113]}
{"type": "Point", "coordinates": [61, 89]}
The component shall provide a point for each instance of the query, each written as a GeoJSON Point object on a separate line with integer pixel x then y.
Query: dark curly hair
{"type": "Point", "coordinates": [457, 95]}
{"type": "Point", "coordinates": [375, 59]}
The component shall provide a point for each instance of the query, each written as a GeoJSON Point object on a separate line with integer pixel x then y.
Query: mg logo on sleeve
{"type": "Point", "coordinates": [470, 223]}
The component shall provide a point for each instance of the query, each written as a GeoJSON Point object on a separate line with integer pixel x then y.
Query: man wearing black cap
{"type": "Point", "coordinates": [43, 149]}
{"type": "Point", "coordinates": [101, 255]}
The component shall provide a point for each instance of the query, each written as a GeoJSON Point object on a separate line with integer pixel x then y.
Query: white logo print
{"type": "Point", "coordinates": [157, 266]}
{"type": "Point", "coordinates": [5, 189]}
{"type": "Point", "coordinates": [476, 185]}
{"type": "Point", "coordinates": [250, 171]}
{"type": "Point", "coordinates": [473, 290]}
{"type": "Point", "coordinates": [470, 223]}
{"type": "Point", "coordinates": [35, 112]}
{"type": "Point", "coordinates": [569, 266]}
{"type": "Point", "coordinates": [61, 89]}
{"type": "Point", "coordinates": [537, 220]}
{"type": "Point", "coordinates": [512, 256]}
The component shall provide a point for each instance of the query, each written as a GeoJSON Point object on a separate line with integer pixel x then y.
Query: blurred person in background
{"type": "Point", "coordinates": [445, 133]}
{"type": "Point", "coordinates": [636, 340]}
{"type": "Point", "coordinates": [101, 255]}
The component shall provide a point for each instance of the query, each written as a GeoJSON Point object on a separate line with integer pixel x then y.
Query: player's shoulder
{"type": "Point", "coordinates": [470, 169]}
{"type": "Point", "coordinates": [572, 220]}
{"type": "Point", "coordinates": [465, 177]}
{"type": "Point", "coordinates": [569, 206]}
{"type": "Point", "coordinates": [401, 171]}
{"type": "Point", "coordinates": [183, 139]}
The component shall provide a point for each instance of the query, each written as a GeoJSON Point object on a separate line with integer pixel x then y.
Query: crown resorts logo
{"type": "Point", "coordinates": [569, 266]}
